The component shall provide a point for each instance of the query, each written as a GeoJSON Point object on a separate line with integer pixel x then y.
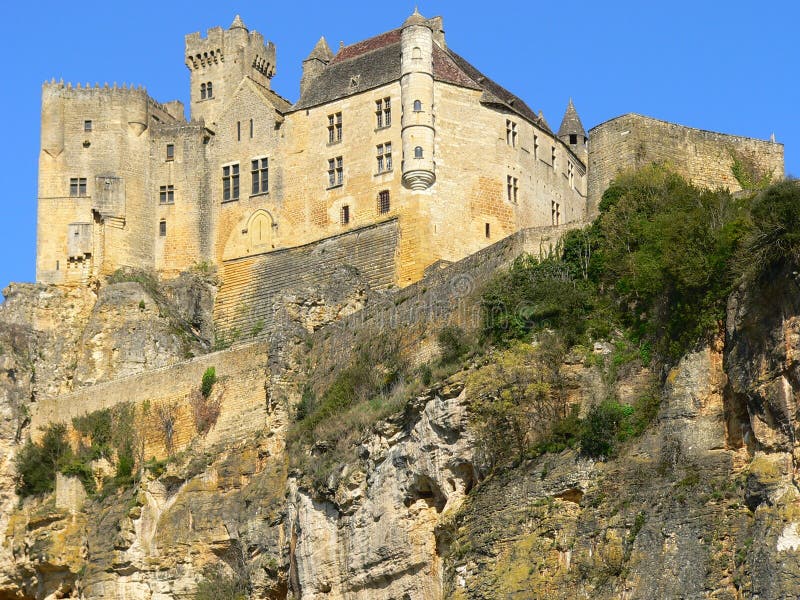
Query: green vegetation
{"type": "Point", "coordinates": [452, 343]}
{"type": "Point", "coordinates": [107, 433]}
{"type": "Point", "coordinates": [208, 381]}
{"type": "Point", "coordinates": [217, 585]}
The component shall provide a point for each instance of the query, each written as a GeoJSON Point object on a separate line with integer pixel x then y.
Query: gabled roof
{"type": "Point", "coordinates": [374, 62]}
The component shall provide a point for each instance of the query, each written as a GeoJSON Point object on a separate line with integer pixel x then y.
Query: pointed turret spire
{"type": "Point", "coordinates": [415, 19]}
{"type": "Point", "coordinates": [571, 131]}
{"type": "Point", "coordinates": [321, 51]}
{"type": "Point", "coordinates": [238, 23]}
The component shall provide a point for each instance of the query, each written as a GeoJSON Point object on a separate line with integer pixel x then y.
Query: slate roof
{"type": "Point", "coordinates": [374, 62]}
{"type": "Point", "coordinates": [571, 123]}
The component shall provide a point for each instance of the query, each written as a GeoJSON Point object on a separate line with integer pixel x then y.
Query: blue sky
{"type": "Point", "coordinates": [730, 67]}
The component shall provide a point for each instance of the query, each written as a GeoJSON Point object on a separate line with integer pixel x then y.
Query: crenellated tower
{"type": "Point", "coordinates": [416, 90]}
{"type": "Point", "coordinates": [219, 62]}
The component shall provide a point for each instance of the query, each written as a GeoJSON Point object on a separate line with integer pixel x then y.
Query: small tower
{"type": "Point", "coordinates": [316, 62]}
{"type": "Point", "coordinates": [572, 132]}
{"type": "Point", "coordinates": [416, 95]}
{"type": "Point", "coordinates": [219, 62]}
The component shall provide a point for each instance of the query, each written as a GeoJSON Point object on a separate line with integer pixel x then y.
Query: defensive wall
{"type": "Point", "coordinates": [445, 296]}
{"type": "Point", "coordinates": [246, 303]}
{"type": "Point", "coordinates": [704, 157]}
{"type": "Point", "coordinates": [241, 391]}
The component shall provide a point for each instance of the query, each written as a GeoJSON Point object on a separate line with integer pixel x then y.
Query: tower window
{"type": "Point", "coordinates": [77, 186]}
{"type": "Point", "coordinates": [487, 230]}
{"type": "Point", "coordinates": [170, 151]}
{"type": "Point", "coordinates": [511, 133]}
{"type": "Point", "coordinates": [573, 138]}
{"type": "Point", "coordinates": [344, 214]}
{"type": "Point", "coordinates": [162, 228]}
{"type": "Point", "coordinates": [535, 146]}
{"type": "Point", "coordinates": [166, 194]}
{"type": "Point", "coordinates": [202, 91]}
{"type": "Point", "coordinates": [251, 129]}
{"type": "Point", "coordinates": [335, 128]}
{"type": "Point", "coordinates": [87, 125]}
{"type": "Point", "coordinates": [418, 152]}
{"type": "Point", "coordinates": [384, 152]}
{"type": "Point", "coordinates": [230, 182]}
{"type": "Point", "coordinates": [383, 113]}
{"type": "Point", "coordinates": [383, 202]}
{"type": "Point", "coordinates": [259, 170]}
{"type": "Point", "coordinates": [416, 53]}
{"type": "Point", "coordinates": [335, 171]}
{"type": "Point", "coordinates": [209, 90]}
{"type": "Point", "coordinates": [417, 106]}
{"type": "Point", "coordinates": [238, 131]}
{"type": "Point", "coordinates": [512, 184]}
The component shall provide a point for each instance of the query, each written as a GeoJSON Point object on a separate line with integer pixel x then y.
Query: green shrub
{"type": "Point", "coordinates": [209, 379]}
{"type": "Point", "coordinates": [37, 464]}
{"type": "Point", "coordinates": [452, 343]}
{"type": "Point", "coordinates": [217, 585]}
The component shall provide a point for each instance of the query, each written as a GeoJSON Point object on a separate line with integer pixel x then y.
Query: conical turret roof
{"type": "Point", "coordinates": [238, 23]}
{"type": "Point", "coordinates": [321, 51]}
{"type": "Point", "coordinates": [415, 19]}
{"type": "Point", "coordinates": [571, 123]}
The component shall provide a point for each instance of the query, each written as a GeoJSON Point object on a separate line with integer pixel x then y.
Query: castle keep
{"type": "Point", "coordinates": [398, 156]}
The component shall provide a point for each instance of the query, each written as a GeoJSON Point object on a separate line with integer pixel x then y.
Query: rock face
{"type": "Point", "coordinates": [380, 529]}
{"type": "Point", "coordinates": [703, 505]}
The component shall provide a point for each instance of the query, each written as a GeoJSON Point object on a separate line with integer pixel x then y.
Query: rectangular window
{"type": "Point", "coordinates": [238, 131]}
{"type": "Point", "coordinates": [166, 194]}
{"type": "Point", "coordinates": [486, 230]}
{"type": "Point", "coordinates": [344, 214]}
{"type": "Point", "coordinates": [553, 156]}
{"type": "Point", "coordinates": [87, 125]}
{"type": "Point", "coordinates": [573, 138]}
{"type": "Point", "coordinates": [512, 185]}
{"type": "Point", "coordinates": [535, 146]}
{"type": "Point", "coordinates": [555, 210]}
{"type": "Point", "coordinates": [383, 202]}
{"type": "Point", "coordinates": [251, 129]}
{"type": "Point", "coordinates": [335, 172]}
{"type": "Point", "coordinates": [259, 171]}
{"type": "Point", "coordinates": [384, 155]}
{"type": "Point", "coordinates": [77, 186]}
{"type": "Point", "coordinates": [230, 182]}
{"type": "Point", "coordinates": [571, 174]}
{"type": "Point", "coordinates": [511, 133]}
{"type": "Point", "coordinates": [170, 151]}
{"type": "Point", "coordinates": [383, 112]}
{"type": "Point", "coordinates": [335, 128]}
{"type": "Point", "coordinates": [162, 228]}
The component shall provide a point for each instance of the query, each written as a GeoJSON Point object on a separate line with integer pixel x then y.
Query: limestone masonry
{"type": "Point", "coordinates": [397, 128]}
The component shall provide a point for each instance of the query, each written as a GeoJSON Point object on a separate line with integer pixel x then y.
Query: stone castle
{"type": "Point", "coordinates": [399, 156]}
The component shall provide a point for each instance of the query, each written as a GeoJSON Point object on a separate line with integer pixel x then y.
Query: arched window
{"type": "Point", "coordinates": [202, 91]}
{"type": "Point", "coordinates": [418, 152]}
{"type": "Point", "coordinates": [417, 106]}
{"type": "Point", "coordinates": [208, 87]}
{"type": "Point", "coordinates": [416, 53]}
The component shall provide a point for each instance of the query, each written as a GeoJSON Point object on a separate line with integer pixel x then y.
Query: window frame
{"type": "Point", "coordinates": [230, 182]}
{"type": "Point", "coordinates": [384, 202]}
{"type": "Point", "coordinates": [166, 194]}
{"type": "Point", "coordinates": [78, 187]}
{"type": "Point", "coordinates": [88, 126]}
{"type": "Point", "coordinates": [384, 157]}
{"type": "Point", "coordinates": [162, 228]}
{"type": "Point", "coordinates": [259, 175]}
{"type": "Point", "coordinates": [419, 153]}
{"type": "Point", "coordinates": [335, 172]}
{"type": "Point", "coordinates": [344, 214]}
{"type": "Point", "coordinates": [383, 113]}
{"type": "Point", "coordinates": [335, 128]}
{"type": "Point", "coordinates": [170, 152]}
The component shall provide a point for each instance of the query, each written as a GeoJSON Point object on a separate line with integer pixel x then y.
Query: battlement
{"type": "Point", "coordinates": [55, 87]}
{"type": "Point", "coordinates": [218, 43]}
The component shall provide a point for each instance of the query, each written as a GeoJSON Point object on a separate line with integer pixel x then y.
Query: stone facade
{"type": "Point", "coordinates": [703, 157]}
{"type": "Point", "coordinates": [394, 127]}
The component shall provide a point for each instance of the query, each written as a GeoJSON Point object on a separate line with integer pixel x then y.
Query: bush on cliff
{"type": "Point", "coordinates": [38, 463]}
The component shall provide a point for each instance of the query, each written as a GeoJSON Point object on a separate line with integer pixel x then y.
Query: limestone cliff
{"type": "Point", "coordinates": [702, 505]}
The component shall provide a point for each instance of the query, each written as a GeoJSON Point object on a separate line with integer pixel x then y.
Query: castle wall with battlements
{"type": "Point", "coordinates": [704, 157]}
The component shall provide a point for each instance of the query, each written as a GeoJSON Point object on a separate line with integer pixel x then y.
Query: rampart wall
{"type": "Point", "coordinates": [704, 157]}
{"type": "Point", "coordinates": [245, 306]}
